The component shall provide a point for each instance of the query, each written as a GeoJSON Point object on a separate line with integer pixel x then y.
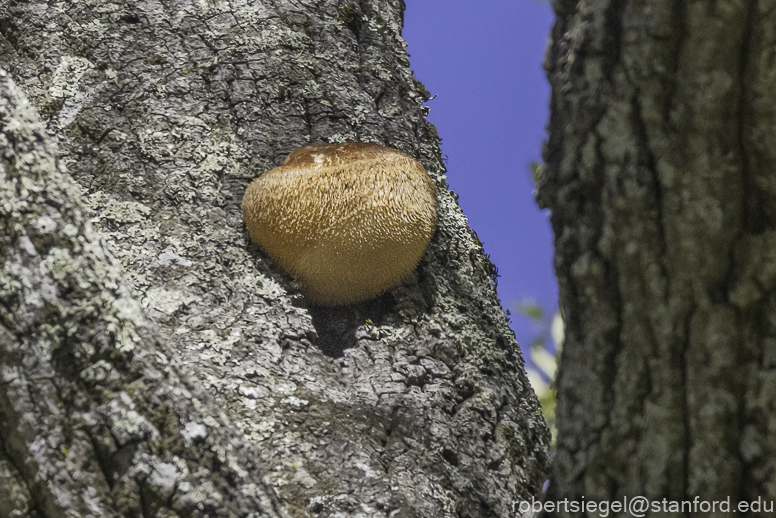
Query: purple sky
{"type": "Point", "coordinates": [483, 60]}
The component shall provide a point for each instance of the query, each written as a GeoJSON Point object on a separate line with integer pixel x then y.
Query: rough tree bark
{"type": "Point", "coordinates": [660, 177]}
{"type": "Point", "coordinates": [153, 362]}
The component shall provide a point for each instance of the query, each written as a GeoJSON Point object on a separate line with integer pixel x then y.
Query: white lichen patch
{"type": "Point", "coordinates": [339, 138]}
{"type": "Point", "coordinates": [285, 387]}
{"type": "Point", "coordinates": [67, 76]}
{"type": "Point", "coordinates": [217, 156]}
{"type": "Point", "coordinates": [71, 108]}
{"type": "Point", "coordinates": [193, 432]}
{"type": "Point", "coordinates": [387, 333]}
{"type": "Point", "coordinates": [126, 423]}
{"type": "Point", "coordinates": [101, 372]}
{"type": "Point", "coordinates": [358, 114]}
{"type": "Point", "coordinates": [109, 208]}
{"type": "Point", "coordinates": [389, 109]}
{"type": "Point", "coordinates": [155, 144]}
{"type": "Point", "coordinates": [168, 258]}
{"type": "Point", "coordinates": [368, 472]}
{"type": "Point", "coordinates": [272, 38]}
{"type": "Point", "coordinates": [303, 477]}
{"type": "Point", "coordinates": [163, 478]}
{"type": "Point", "coordinates": [195, 495]}
{"type": "Point", "coordinates": [167, 301]}
{"type": "Point", "coordinates": [294, 401]}
{"type": "Point", "coordinates": [96, 27]}
{"type": "Point", "coordinates": [44, 224]}
{"type": "Point", "coordinates": [235, 464]}
{"type": "Point", "coordinates": [216, 349]}
{"type": "Point", "coordinates": [262, 285]}
{"type": "Point", "coordinates": [253, 391]}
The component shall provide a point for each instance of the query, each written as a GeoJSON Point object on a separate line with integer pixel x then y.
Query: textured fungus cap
{"type": "Point", "coordinates": [348, 221]}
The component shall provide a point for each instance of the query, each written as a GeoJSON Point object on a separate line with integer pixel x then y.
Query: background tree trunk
{"type": "Point", "coordinates": [660, 177]}
{"type": "Point", "coordinates": [153, 362]}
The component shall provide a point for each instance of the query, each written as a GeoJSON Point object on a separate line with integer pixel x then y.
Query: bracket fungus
{"type": "Point", "coordinates": [348, 221]}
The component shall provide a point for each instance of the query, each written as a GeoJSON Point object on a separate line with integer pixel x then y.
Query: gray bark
{"type": "Point", "coordinates": [660, 177]}
{"type": "Point", "coordinates": [153, 362]}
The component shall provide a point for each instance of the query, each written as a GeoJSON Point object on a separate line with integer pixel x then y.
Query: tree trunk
{"type": "Point", "coordinates": [660, 178]}
{"type": "Point", "coordinates": [153, 362]}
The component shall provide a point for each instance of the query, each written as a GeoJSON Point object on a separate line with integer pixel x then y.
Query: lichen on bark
{"type": "Point", "coordinates": [184, 373]}
{"type": "Point", "coordinates": [659, 175]}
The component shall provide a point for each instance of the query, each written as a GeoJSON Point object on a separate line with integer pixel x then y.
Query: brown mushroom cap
{"type": "Point", "coordinates": [348, 221]}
